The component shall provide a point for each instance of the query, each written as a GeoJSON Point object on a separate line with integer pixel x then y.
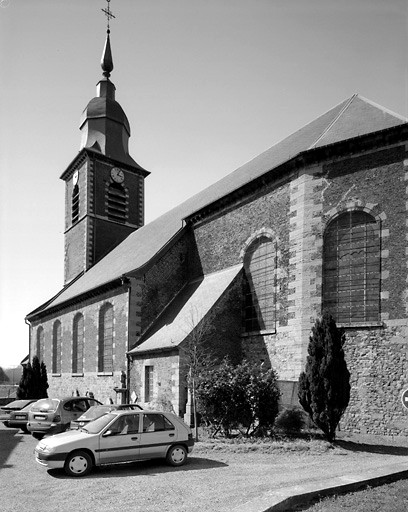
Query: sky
{"type": "Point", "coordinates": [207, 85]}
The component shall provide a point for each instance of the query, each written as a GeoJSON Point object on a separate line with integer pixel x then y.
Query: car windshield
{"type": "Point", "coordinates": [95, 412]}
{"type": "Point", "coordinates": [45, 405]}
{"type": "Point", "coordinates": [17, 404]}
{"type": "Point", "coordinates": [26, 408]}
{"type": "Point", "coordinates": [95, 426]}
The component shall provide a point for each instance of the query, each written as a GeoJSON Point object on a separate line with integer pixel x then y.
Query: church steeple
{"type": "Point", "coordinates": [104, 185]}
{"type": "Point", "coordinates": [107, 61]}
{"type": "Point", "coordinates": [104, 125]}
{"type": "Point", "coordinates": [105, 87]}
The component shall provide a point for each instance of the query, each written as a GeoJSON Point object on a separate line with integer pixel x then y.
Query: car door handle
{"type": "Point", "coordinates": [134, 438]}
{"type": "Point", "coordinates": [171, 435]}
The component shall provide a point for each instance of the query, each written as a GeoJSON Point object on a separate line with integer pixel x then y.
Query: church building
{"type": "Point", "coordinates": [317, 222]}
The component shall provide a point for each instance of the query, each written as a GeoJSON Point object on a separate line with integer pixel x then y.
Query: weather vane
{"type": "Point", "coordinates": [108, 15]}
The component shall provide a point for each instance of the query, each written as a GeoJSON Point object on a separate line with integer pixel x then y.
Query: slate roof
{"type": "Point", "coordinates": [186, 311]}
{"type": "Point", "coordinates": [353, 117]}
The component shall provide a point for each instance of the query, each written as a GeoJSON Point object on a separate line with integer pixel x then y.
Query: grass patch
{"type": "Point", "coordinates": [391, 497]}
{"type": "Point", "coordinates": [262, 445]}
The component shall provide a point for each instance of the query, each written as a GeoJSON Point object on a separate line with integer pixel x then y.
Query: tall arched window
{"type": "Point", "coordinates": [117, 202]}
{"type": "Point", "coordinates": [105, 345]}
{"type": "Point", "coordinates": [259, 286]}
{"type": "Point", "coordinates": [351, 268]}
{"type": "Point", "coordinates": [40, 344]}
{"type": "Point", "coordinates": [56, 347]}
{"type": "Point", "coordinates": [75, 204]}
{"type": "Point", "coordinates": [78, 344]}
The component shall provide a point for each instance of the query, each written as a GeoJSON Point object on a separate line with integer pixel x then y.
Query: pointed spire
{"type": "Point", "coordinates": [107, 61]}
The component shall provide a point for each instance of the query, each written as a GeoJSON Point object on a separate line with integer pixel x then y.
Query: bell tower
{"type": "Point", "coordinates": [104, 186]}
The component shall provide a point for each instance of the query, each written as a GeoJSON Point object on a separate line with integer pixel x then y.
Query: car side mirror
{"type": "Point", "coordinates": [107, 433]}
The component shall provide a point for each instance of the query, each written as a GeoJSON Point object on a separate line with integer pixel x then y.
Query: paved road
{"type": "Point", "coordinates": [211, 480]}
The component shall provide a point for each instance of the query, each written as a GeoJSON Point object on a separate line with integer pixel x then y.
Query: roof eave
{"type": "Point", "coordinates": [43, 311]}
{"type": "Point", "coordinates": [92, 153]}
{"type": "Point", "coordinates": [302, 158]}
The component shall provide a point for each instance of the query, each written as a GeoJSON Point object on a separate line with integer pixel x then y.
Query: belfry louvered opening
{"type": "Point", "coordinates": [75, 204]}
{"type": "Point", "coordinates": [351, 268]}
{"type": "Point", "coordinates": [117, 203]}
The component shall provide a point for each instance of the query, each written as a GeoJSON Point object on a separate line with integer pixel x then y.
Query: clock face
{"type": "Point", "coordinates": [117, 175]}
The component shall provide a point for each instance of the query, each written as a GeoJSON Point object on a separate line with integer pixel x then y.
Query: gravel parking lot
{"type": "Point", "coordinates": [215, 478]}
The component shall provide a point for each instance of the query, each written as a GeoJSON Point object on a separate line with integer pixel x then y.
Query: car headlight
{"type": "Point", "coordinates": [46, 449]}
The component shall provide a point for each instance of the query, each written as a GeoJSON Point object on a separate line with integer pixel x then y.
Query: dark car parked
{"type": "Point", "coordinates": [19, 419]}
{"type": "Point", "coordinates": [15, 414]}
{"type": "Point", "coordinates": [96, 411]}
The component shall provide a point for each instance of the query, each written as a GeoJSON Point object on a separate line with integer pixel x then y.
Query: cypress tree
{"type": "Point", "coordinates": [324, 386]}
{"type": "Point", "coordinates": [34, 381]}
{"type": "Point", "coordinates": [23, 390]}
{"type": "Point", "coordinates": [36, 378]}
{"type": "Point", "coordinates": [43, 380]}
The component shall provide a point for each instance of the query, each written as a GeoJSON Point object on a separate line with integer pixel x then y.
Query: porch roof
{"type": "Point", "coordinates": [186, 311]}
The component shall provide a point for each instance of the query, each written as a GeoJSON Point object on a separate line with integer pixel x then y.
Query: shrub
{"type": "Point", "coordinates": [243, 395]}
{"type": "Point", "coordinates": [290, 421]}
{"type": "Point", "coordinates": [324, 386]}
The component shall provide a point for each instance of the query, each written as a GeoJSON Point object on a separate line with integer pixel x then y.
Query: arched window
{"type": "Point", "coordinates": [105, 345]}
{"type": "Point", "coordinates": [75, 204]}
{"type": "Point", "coordinates": [351, 268]}
{"type": "Point", "coordinates": [259, 286]}
{"type": "Point", "coordinates": [117, 202]}
{"type": "Point", "coordinates": [56, 347]}
{"type": "Point", "coordinates": [40, 344]}
{"type": "Point", "coordinates": [78, 344]}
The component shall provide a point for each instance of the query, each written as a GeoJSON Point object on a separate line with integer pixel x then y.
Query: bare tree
{"type": "Point", "coordinates": [198, 354]}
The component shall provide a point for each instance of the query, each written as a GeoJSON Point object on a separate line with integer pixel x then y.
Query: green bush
{"type": "Point", "coordinates": [240, 396]}
{"type": "Point", "coordinates": [290, 421]}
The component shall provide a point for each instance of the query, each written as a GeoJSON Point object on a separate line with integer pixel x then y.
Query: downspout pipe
{"type": "Point", "coordinates": [27, 322]}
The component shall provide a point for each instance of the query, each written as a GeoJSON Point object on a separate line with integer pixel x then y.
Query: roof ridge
{"type": "Point", "coordinates": [334, 121]}
{"type": "Point", "coordinates": [384, 109]}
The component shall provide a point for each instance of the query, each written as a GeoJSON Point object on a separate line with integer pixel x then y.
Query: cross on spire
{"type": "Point", "coordinates": [108, 15]}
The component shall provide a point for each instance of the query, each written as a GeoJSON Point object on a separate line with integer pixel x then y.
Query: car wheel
{"type": "Point", "coordinates": [78, 463]}
{"type": "Point", "coordinates": [37, 436]}
{"type": "Point", "coordinates": [24, 429]}
{"type": "Point", "coordinates": [177, 455]}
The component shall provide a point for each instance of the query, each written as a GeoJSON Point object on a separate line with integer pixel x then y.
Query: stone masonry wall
{"type": "Point", "coordinates": [101, 384]}
{"type": "Point", "coordinates": [374, 182]}
{"type": "Point", "coordinates": [163, 281]}
{"type": "Point", "coordinates": [167, 393]}
{"type": "Point", "coordinates": [377, 361]}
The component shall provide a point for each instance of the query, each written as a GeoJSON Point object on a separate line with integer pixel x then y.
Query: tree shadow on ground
{"type": "Point", "coordinates": [145, 467]}
{"type": "Point", "coordinates": [372, 448]}
{"type": "Point", "coordinates": [8, 442]}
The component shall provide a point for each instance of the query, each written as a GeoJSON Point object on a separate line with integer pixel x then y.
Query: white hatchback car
{"type": "Point", "coordinates": [119, 436]}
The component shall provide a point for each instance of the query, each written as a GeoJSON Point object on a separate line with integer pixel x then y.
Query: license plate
{"type": "Point", "coordinates": [37, 417]}
{"type": "Point", "coordinates": [20, 417]}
